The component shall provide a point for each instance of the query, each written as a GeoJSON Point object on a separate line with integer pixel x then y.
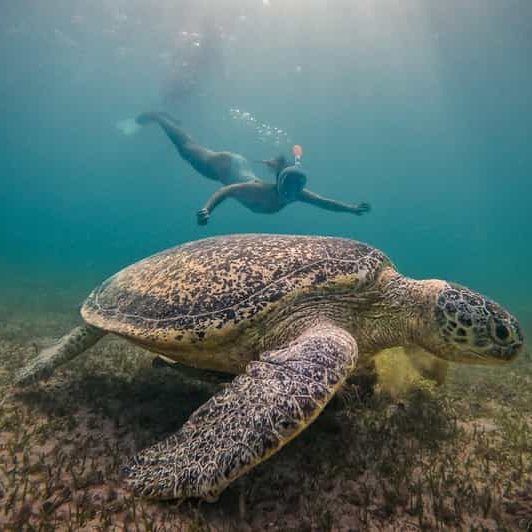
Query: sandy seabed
{"type": "Point", "coordinates": [408, 457]}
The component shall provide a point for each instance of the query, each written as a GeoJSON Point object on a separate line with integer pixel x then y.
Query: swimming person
{"type": "Point", "coordinates": [239, 180]}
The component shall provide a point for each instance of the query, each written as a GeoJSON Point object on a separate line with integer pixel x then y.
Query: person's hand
{"type": "Point", "coordinates": [203, 216]}
{"type": "Point", "coordinates": [362, 208]}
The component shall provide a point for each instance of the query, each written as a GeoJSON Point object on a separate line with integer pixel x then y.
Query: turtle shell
{"type": "Point", "coordinates": [209, 286]}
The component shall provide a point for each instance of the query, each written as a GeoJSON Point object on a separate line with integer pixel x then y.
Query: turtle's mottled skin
{"type": "Point", "coordinates": [294, 317]}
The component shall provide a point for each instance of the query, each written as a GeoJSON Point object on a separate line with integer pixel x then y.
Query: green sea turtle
{"type": "Point", "coordinates": [294, 317]}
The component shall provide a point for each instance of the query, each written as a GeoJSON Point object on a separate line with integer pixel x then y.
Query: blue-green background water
{"type": "Point", "coordinates": [421, 107]}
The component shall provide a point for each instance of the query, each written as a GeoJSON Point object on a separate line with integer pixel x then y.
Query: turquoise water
{"type": "Point", "coordinates": [421, 108]}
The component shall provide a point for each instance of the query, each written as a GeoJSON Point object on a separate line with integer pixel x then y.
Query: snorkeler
{"type": "Point", "coordinates": [197, 59]}
{"type": "Point", "coordinates": [235, 173]}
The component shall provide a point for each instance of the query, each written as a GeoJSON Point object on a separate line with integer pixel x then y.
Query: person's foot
{"type": "Point", "coordinates": [203, 216]}
{"type": "Point", "coordinates": [362, 208]}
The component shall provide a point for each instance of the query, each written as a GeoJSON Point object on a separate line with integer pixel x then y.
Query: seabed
{"type": "Point", "coordinates": [412, 456]}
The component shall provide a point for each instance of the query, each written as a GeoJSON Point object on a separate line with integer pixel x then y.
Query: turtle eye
{"type": "Point", "coordinates": [500, 332]}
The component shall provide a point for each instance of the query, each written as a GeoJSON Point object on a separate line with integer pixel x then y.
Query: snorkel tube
{"type": "Point", "coordinates": [292, 179]}
{"type": "Point", "coordinates": [297, 152]}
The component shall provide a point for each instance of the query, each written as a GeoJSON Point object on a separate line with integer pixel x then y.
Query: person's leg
{"type": "Point", "coordinates": [208, 163]}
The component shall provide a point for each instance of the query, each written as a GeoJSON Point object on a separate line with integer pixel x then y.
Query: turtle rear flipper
{"type": "Point", "coordinates": [250, 420]}
{"type": "Point", "coordinates": [66, 348]}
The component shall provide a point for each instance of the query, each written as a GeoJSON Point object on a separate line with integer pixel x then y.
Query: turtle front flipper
{"type": "Point", "coordinates": [69, 346]}
{"type": "Point", "coordinates": [251, 419]}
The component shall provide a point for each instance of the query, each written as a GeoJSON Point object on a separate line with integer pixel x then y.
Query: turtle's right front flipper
{"type": "Point", "coordinates": [250, 420]}
{"type": "Point", "coordinates": [68, 347]}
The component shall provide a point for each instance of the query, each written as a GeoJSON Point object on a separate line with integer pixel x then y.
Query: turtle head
{"type": "Point", "coordinates": [468, 327]}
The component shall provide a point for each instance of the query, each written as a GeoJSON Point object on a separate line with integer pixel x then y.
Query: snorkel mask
{"type": "Point", "coordinates": [292, 179]}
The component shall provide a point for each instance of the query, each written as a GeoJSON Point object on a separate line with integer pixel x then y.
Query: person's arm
{"type": "Point", "coordinates": [221, 195]}
{"type": "Point", "coordinates": [307, 196]}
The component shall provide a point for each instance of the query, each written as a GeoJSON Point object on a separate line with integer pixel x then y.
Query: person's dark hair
{"type": "Point", "coordinates": [276, 165]}
{"type": "Point", "coordinates": [280, 162]}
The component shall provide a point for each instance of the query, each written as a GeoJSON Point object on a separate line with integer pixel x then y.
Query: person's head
{"type": "Point", "coordinates": [277, 164]}
{"type": "Point", "coordinates": [291, 180]}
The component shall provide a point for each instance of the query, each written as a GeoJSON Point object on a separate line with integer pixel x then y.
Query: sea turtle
{"type": "Point", "coordinates": [293, 317]}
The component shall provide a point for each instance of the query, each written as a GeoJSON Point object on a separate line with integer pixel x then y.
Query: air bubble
{"type": "Point", "coordinates": [264, 131]}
